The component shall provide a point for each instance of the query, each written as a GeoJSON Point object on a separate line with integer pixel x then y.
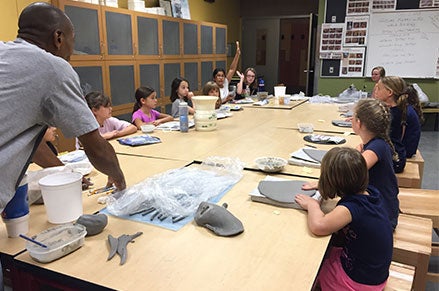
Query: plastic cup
{"type": "Point", "coordinates": [286, 100]}
{"type": "Point", "coordinates": [62, 195]}
{"type": "Point", "coordinates": [279, 91]}
{"type": "Point", "coordinates": [18, 206]}
{"type": "Point", "coordinates": [17, 226]}
{"type": "Point", "coordinates": [281, 100]}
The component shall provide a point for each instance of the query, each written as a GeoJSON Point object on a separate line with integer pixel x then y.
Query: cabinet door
{"type": "Point", "coordinates": [206, 71]}
{"type": "Point", "coordinates": [122, 86]}
{"type": "Point", "coordinates": [206, 40]}
{"type": "Point", "coordinates": [171, 38]}
{"type": "Point", "coordinates": [119, 34]}
{"type": "Point", "coordinates": [88, 35]}
{"type": "Point", "coordinates": [190, 38]}
{"type": "Point", "coordinates": [221, 64]}
{"type": "Point", "coordinates": [220, 40]}
{"type": "Point", "coordinates": [191, 75]}
{"type": "Point", "coordinates": [150, 76]}
{"type": "Point", "coordinates": [171, 71]}
{"type": "Point", "coordinates": [91, 77]}
{"type": "Point", "coordinates": [147, 37]}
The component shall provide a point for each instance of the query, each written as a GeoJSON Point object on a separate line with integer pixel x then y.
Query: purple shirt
{"type": "Point", "coordinates": [113, 123]}
{"type": "Point", "coordinates": [145, 118]}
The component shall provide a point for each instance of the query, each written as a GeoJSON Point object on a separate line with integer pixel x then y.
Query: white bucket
{"type": "Point", "coordinates": [17, 226]}
{"type": "Point", "coordinates": [62, 195]}
{"type": "Point", "coordinates": [279, 91]}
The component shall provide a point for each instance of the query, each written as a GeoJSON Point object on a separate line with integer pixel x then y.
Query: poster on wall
{"type": "Point", "coordinates": [383, 5]}
{"type": "Point", "coordinates": [358, 7]}
{"type": "Point", "coordinates": [331, 40]}
{"type": "Point", "coordinates": [180, 9]}
{"type": "Point", "coordinates": [428, 3]}
{"type": "Point", "coordinates": [356, 31]}
{"type": "Point", "coordinates": [352, 62]}
{"type": "Point", "coordinates": [167, 6]}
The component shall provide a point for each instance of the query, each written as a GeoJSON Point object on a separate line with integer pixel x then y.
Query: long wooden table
{"type": "Point", "coordinates": [275, 252]}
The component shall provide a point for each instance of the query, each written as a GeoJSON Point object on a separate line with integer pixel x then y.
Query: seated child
{"type": "Point", "coordinates": [110, 127]}
{"type": "Point", "coordinates": [359, 221]}
{"type": "Point", "coordinates": [179, 93]}
{"type": "Point", "coordinates": [212, 89]}
{"type": "Point", "coordinates": [143, 110]}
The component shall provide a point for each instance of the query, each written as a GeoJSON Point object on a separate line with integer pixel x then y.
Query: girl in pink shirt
{"type": "Point", "coordinates": [110, 127]}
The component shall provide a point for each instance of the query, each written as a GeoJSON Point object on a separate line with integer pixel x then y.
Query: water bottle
{"type": "Point", "coordinates": [183, 112]}
{"type": "Point", "coordinates": [261, 85]}
{"type": "Point", "coordinates": [247, 92]}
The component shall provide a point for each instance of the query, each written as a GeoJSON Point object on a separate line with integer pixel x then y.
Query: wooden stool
{"type": "Point", "coordinates": [434, 277]}
{"type": "Point", "coordinates": [410, 178]}
{"type": "Point", "coordinates": [425, 203]}
{"type": "Point", "coordinates": [400, 277]}
{"type": "Point", "coordinates": [412, 246]}
{"type": "Point", "coordinates": [418, 159]}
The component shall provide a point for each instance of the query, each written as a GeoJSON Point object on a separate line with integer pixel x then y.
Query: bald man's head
{"type": "Point", "coordinates": [47, 27]}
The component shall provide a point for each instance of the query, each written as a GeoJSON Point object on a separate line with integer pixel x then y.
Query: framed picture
{"type": "Point", "coordinates": [180, 9]}
{"type": "Point", "coordinates": [165, 4]}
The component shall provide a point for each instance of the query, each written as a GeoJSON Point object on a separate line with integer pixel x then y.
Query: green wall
{"type": "Point", "coordinates": [334, 86]}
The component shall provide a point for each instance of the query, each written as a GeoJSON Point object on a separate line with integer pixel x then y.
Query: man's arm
{"type": "Point", "coordinates": [101, 154]}
{"type": "Point", "coordinates": [44, 157]}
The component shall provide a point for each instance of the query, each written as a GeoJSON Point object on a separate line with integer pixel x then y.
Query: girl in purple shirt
{"type": "Point", "coordinates": [143, 111]}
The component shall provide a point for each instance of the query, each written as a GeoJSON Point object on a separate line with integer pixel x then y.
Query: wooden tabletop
{"type": "Point", "coordinates": [276, 251]}
{"type": "Point", "coordinates": [249, 134]}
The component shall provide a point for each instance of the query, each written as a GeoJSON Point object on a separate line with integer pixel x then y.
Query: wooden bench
{"type": "Point", "coordinates": [418, 159]}
{"type": "Point", "coordinates": [435, 111]}
{"type": "Point", "coordinates": [424, 203]}
{"type": "Point", "coordinates": [420, 202]}
{"type": "Point", "coordinates": [400, 277]}
{"type": "Point", "coordinates": [410, 177]}
{"type": "Point", "coordinates": [412, 246]}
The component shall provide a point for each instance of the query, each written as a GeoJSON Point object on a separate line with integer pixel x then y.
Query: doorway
{"type": "Point", "coordinates": [282, 50]}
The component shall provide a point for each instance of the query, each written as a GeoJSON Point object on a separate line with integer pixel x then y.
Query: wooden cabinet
{"type": "Point", "coordinates": [118, 50]}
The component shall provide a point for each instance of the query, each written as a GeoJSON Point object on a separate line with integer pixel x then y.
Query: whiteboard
{"type": "Point", "coordinates": [405, 43]}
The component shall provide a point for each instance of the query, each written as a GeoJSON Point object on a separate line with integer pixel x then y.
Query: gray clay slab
{"type": "Point", "coordinates": [342, 123]}
{"type": "Point", "coordinates": [283, 191]}
{"type": "Point", "coordinates": [315, 154]}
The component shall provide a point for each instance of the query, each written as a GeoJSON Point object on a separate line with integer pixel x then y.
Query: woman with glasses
{"type": "Point", "coordinates": [247, 85]}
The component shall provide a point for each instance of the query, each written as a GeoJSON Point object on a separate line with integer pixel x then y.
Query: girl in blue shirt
{"type": "Point", "coordinates": [371, 121]}
{"type": "Point", "coordinates": [405, 129]}
{"type": "Point", "coordinates": [359, 220]}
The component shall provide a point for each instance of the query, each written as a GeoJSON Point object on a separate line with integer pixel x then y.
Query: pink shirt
{"type": "Point", "coordinates": [145, 118]}
{"type": "Point", "coordinates": [113, 123]}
